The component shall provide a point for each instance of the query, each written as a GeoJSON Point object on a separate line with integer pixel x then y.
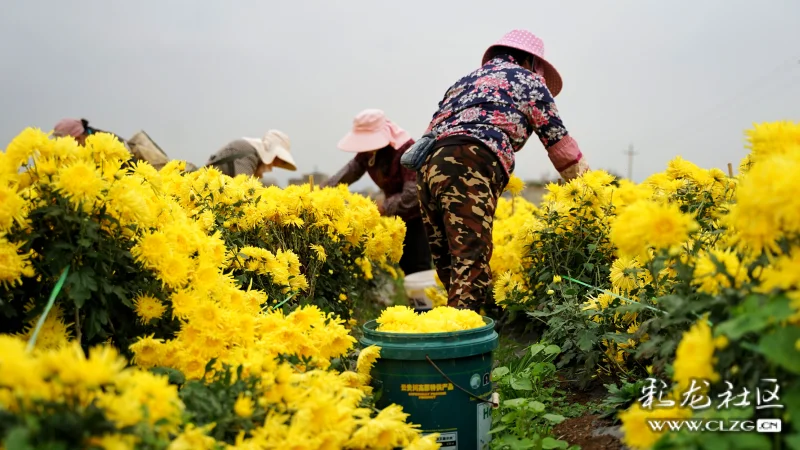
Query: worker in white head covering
{"type": "Point", "coordinates": [253, 156]}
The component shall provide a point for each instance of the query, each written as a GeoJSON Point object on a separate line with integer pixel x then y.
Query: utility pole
{"type": "Point", "coordinates": [630, 154]}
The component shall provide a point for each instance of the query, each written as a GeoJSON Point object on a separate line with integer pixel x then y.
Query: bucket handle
{"type": "Point", "coordinates": [479, 399]}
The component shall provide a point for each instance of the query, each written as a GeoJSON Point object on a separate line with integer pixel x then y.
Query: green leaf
{"type": "Point", "coordinates": [102, 316]}
{"type": "Point", "coordinates": [779, 347]}
{"type": "Point", "coordinates": [521, 384]}
{"type": "Point", "coordinates": [84, 242]}
{"type": "Point", "coordinates": [756, 317]}
{"type": "Point", "coordinates": [793, 441]}
{"type": "Point", "coordinates": [621, 338]}
{"type": "Point", "coordinates": [89, 278]}
{"type": "Point", "coordinates": [710, 444]}
{"type": "Point", "coordinates": [747, 441]}
{"type": "Point", "coordinates": [536, 348]}
{"type": "Point", "coordinates": [536, 406]}
{"type": "Point", "coordinates": [514, 443]}
{"type": "Point", "coordinates": [548, 443]}
{"type": "Point", "coordinates": [586, 340]}
{"type": "Point", "coordinates": [175, 376]}
{"type": "Point", "coordinates": [510, 417]}
{"type": "Point", "coordinates": [514, 402]}
{"type": "Point", "coordinates": [552, 349]}
{"type": "Point", "coordinates": [77, 291]}
{"type": "Point", "coordinates": [498, 429]}
{"type": "Point", "coordinates": [500, 372]}
{"type": "Point", "coordinates": [588, 266]}
{"type": "Point", "coordinates": [548, 313]}
{"type": "Point", "coordinates": [792, 397]}
{"type": "Point", "coordinates": [92, 325]}
{"type": "Point", "coordinates": [18, 439]}
{"type": "Point", "coordinates": [554, 418]}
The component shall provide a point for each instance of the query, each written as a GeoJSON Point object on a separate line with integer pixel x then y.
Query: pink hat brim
{"type": "Point", "coordinates": [69, 127]}
{"type": "Point", "coordinates": [363, 142]}
{"type": "Point", "coordinates": [551, 76]}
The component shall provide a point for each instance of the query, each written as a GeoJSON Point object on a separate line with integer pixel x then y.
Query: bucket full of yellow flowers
{"type": "Point", "coordinates": [437, 365]}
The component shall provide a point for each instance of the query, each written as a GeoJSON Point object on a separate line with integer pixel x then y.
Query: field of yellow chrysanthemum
{"type": "Point", "coordinates": [689, 277]}
{"type": "Point", "coordinates": [203, 311]}
{"type": "Point", "coordinates": [187, 287]}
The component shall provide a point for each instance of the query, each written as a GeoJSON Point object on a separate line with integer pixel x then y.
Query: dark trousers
{"type": "Point", "coordinates": [416, 250]}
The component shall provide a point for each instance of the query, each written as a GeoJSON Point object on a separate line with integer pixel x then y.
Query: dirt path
{"type": "Point", "coordinates": [590, 432]}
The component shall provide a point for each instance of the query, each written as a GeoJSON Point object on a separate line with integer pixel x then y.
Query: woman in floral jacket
{"type": "Point", "coordinates": [379, 144]}
{"type": "Point", "coordinates": [483, 120]}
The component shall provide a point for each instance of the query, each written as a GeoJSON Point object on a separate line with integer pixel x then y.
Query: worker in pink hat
{"type": "Point", "coordinates": [467, 155]}
{"type": "Point", "coordinates": [79, 129]}
{"type": "Point", "coordinates": [378, 144]}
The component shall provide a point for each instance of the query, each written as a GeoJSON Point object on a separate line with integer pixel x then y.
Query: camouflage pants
{"type": "Point", "coordinates": [458, 189]}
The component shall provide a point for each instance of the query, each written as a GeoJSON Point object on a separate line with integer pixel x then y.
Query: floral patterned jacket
{"type": "Point", "coordinates": [501, 105]}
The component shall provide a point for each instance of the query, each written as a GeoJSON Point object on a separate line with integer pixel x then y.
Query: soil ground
{"type": "Point", "coordinates": [590, 430]}
{"type": "Point", "coordinates": [583, 431]}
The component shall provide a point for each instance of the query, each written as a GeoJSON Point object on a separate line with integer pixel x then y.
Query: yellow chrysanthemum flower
{"type": "Point", "coordinates": [626, 274]}
{"type": "Point", "coordinates": [80, 182]}
{"type": "Point", "coordinates": [12, 207]}
{"type": "Point", "coordinates": [13, 264]}
{"type": "Point", "coordinates": [194, 438]}
{"type": "Point", "coordinates": [637, 433]}
{"type": "Point", "coordinates": [244, 406]}
{"type": "Point", "coordinates": [694, 357]}
{"type": "Point", "coordinates": [319, 251]}
{"type": "Point", "coordinates": [366, 360]}
{"type": "Point", "coordinates": [647, 224]}
{"type": "Point", "coordinates": [148, 308]}
{"type": "Point", "coordinates": [707, 274]}
{"type": "Point", "coordinates": [515, 185]}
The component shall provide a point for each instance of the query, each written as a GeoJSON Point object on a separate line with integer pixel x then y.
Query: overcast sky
{"type": "Point", "coordinates": [671, 77]}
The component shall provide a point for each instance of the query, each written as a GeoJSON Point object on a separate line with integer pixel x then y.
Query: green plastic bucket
{"type": "Point", "coordinates": [404, 375]}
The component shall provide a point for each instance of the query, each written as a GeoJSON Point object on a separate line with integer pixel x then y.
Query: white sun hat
{"type": "Point", "coordinates": [274, 148]}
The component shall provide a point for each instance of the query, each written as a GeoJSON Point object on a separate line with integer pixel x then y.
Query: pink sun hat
{"type": "Point", "coordinates": [529, 42]}
{"type": "Point", "coordinates": [69, 127]}
{"type": "Point", "coordinates": [372, 131]}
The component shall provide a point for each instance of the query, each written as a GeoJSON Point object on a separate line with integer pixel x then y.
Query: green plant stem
{"type": "Point", "coordinates": [53, 295]}
{"type": "Point", "coordinates": [283, 302]}
{"type": "Point", "coordinates": [78, 325]}
{"type": "Point", "coordinates": [613, 294]}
